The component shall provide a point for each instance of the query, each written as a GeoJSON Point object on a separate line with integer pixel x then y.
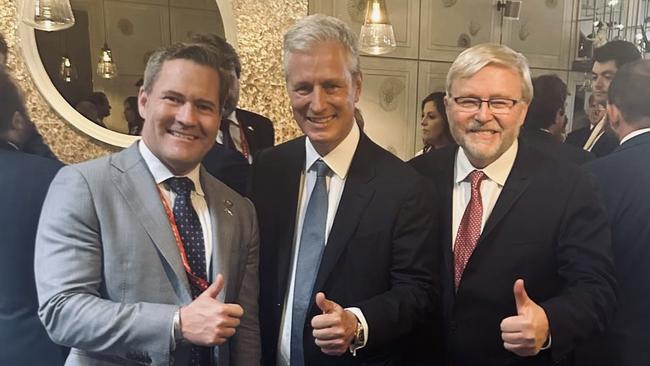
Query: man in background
{"type": "Point", "coordinates": [142, 256]}
{"type": "Point", "coordinates": [607, 60]}
{"type": "Point", "coordinates": [23, 185]}
{"type": "Point", "coordinates": [527, 271]}
{"type": "Point", "coordinates": [241, 130]}
{"type": "Point", "coordinates": [545, 123]}
{"type": "Point", "coordinates": [624, 177]}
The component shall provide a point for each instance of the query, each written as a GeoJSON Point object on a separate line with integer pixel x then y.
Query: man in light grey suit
{"type": "Point", "coordinates": [124, 256]}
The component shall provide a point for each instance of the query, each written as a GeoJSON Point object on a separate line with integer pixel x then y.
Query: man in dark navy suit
{"type": "Point", "coordinates": [527, 271]}
{"type": "Point", "coordinates": [624, 177]}
{"type": "Point", "coordinates": [24, 181]}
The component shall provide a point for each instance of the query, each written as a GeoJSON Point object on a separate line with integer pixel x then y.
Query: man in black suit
{"type": "Point", "coordinates": [607, 60]}
{"type": "Point", "coordinates": [24, 183]}
{"type": "Point", "coordinates": [527, 269]}
{"type": "Point", "coordinates": [545, 122]}
{"type": "Point", "coordinates": [624, 178]}
{"type": "Point", "coordinates": [241, 130]}
{"type": "Point", "coordinates": [347, 261]}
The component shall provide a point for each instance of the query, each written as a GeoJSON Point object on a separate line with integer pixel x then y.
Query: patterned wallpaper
{"type": "Point", "coordinates": [260, 26]}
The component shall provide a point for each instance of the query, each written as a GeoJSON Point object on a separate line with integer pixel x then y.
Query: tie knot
{"type": "Point", "coordinates": [475, 178]}
{"type": "Point", "coordinates": [182, 186]}
{"type": "Point", "coordinates": [321, 168]}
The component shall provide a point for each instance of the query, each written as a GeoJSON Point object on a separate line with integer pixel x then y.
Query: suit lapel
{"type": "Point", "coordinates": [445, 179]}
{"type": "Point", "coordinates": [225, 255]}
{"type": "Point", "coordinates": [356, 196]}
{"type": "Point", "coordinates": [288, 187]}
{"type": "Point", "coordinates": [515, 185]}
{"type": "Point", "coordinates": [249, 132]}
{"type": "Point", "coordinates": [136, 185]}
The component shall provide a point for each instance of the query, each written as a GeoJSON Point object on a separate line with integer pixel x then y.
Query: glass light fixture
{"type": "Point", "coordinates": [106, 67]}
{"type": "Point", "coordinates": [48, 15]}
{"type": "Point", "coordinates": [67, 71]}
{"type": "Point", "coordinates": [377, 36]}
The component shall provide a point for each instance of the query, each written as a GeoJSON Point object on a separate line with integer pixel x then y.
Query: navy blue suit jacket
{"type": "Point", "coordinates": [624, 177]}
{"type": "Point", "coordinates": [24, 180]}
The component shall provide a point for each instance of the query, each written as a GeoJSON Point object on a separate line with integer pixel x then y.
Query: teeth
{"type": "Point", "coordinates": [320, 119]}
{"type": "Point", "coordinates": [183, 136]}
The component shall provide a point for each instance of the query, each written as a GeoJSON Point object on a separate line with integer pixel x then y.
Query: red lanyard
{"type": "Point", "coordinates": [245, 150]}
{"type": "Point", "coordinates": [195, 280]}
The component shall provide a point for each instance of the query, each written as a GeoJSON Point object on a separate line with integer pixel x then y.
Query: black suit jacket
{"type": "Point", "coordinates": [546, 143]}
{"type": "Point", "coordinates": [605, 144]}
{"type": "Point", "coordinates": [24, 182]}
{"type": "Point", "coordinates": [258, 130]}
{"type": "Point", "coordinates": [624, 177]}
{"type": "Point", "coordinates": [548, 228]}
{"type": "Point", "coordinates": [379, 257]}
{"type": "Point", "coordinates": [229, 166]}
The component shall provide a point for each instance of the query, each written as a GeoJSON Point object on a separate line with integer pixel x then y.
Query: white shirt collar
{"type": "Point", "coordinates": [498, 171]}
{"type": "Point", "coordinates": [232, 117]}
{"type": "Point", "coordinates": [340, 158]}
{"type": "Point", "coordinates": [634, 134]}
{"type": "Point", "coordinates": [161, 173]}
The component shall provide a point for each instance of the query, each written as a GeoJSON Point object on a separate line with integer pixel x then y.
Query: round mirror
{"type": "Point", "coordinates": [64, 64]}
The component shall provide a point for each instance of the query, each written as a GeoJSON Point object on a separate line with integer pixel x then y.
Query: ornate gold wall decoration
{"type": "Point", "coordinates": [260, 26]}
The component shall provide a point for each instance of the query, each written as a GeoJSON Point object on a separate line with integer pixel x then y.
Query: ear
{"type": "Point", "coordinates": [142, 101]}
{"type": "Point", "coordinates": [614, 115]}
{"type": "Point", "coordinates": [358, 82]}
{"type": "Point", "coordinates": [16, 121]}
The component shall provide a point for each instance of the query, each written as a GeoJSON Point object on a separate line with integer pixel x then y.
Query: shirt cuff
{"type": "Point", "coordinates": [547, 345]}
{"type": "Point", "coordinates": [359, 314]}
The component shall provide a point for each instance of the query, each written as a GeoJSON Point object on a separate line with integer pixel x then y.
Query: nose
{"type": "Point", "coordinates": [423, 121]}
{"type": "Point", "coordinates": [599, 83]}
{"type": "Point", "coordinates": [484, 113]}
{"type": "Point", "coordinates": [318, 100]}
{"type": "Point", "coordinates": [187, 114]}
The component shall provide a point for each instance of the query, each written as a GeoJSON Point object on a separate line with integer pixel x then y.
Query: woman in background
{"type": "Point", "coordinates": [435, 126]}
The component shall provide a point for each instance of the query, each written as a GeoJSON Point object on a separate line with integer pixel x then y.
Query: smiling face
{"type": "Point", "coordinates": [181, 113]}
{"type": "Point", "coordinates": [323, 92]}
{"type": "Point", "coordinates": [483, 135]}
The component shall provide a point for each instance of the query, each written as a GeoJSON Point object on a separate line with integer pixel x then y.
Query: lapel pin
{"type": "Point", "coordinates": [250, 128]}
{"type": "Point", "coordinates": [228, 204]}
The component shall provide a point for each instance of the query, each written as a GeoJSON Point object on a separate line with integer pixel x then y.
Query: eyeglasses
{"type": "Point", "coordinates": [496, 105]}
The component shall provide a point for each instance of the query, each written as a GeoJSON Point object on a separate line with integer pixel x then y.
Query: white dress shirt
{"type": "Point", "coordinates": [497, 174]}
{"type": "Point", "coordinates": [236, 134]}
{"type": "Point", "coordinates": [160, 174]}
{"type": "Point", "coordinates": [338, 160]}
{"type": "Point", "coordinates": [634, 134]}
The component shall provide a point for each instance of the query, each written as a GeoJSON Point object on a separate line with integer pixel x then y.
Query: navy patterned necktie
{"type": "Point", "coordinates": [189, 227]}
{"type": "Point", "coordinates": [312, 243]}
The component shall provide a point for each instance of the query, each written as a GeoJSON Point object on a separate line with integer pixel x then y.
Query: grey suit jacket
{"type": "Point", "coordinates": [109, 275]}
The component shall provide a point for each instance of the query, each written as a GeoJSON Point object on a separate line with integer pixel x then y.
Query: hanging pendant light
{"type": "Point", "coordinates": [377, 36]}
{"type": "Point", "coordinates": [67, 71]}
{"type": "Point", "coordinates": [48, 15]}
{"type": "Point", "coordinates": [106, 67]}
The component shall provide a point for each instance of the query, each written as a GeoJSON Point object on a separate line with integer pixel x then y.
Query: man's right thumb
{"type": "Point", "coordinates": [215, 288]}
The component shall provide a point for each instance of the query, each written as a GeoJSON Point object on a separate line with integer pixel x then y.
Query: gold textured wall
{"type": "Point", "coordinates": [260, 26]}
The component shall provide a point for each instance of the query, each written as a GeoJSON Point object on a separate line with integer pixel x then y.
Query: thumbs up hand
{"type": "Point", "coordinates": [207, 321]}
{"type": "Point", "coordinates": [334, 329]}
{"type": "Point", "coordinates": [525, 333]}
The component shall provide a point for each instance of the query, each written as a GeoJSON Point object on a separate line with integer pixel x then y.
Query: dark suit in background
{"type": "Point", "coordinates": [548, 144]}
{"type": "Point", "coordinates": [229, 166]}
{"type": "Point", "coordinates": [548, 228]}
{"type": "Point", "coordinates": [24, 183]}
{"type": "Point", "coordinates": [624, 177]}
{"type": "Point", "coordinates": [379, 256]}
{"type": "Point", "coordinates": [605, 144]}
{"type": "Point", "coordinates": [257, 128]}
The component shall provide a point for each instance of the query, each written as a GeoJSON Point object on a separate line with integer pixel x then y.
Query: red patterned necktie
{"type": "Point", "coordinates": [470, 227]}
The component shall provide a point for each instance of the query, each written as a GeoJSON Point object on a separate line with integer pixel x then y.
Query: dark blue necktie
{"type": "Point", "coordinates": [189, 227]}
{"type": "Point", "coordinates": [312, 243]}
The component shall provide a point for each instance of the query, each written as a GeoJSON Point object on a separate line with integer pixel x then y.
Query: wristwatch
{"type": "Point", "coordinates": [359, 338]}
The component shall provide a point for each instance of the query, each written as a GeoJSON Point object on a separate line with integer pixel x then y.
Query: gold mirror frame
{"type": "Point", "coordinates": [32, 59]}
